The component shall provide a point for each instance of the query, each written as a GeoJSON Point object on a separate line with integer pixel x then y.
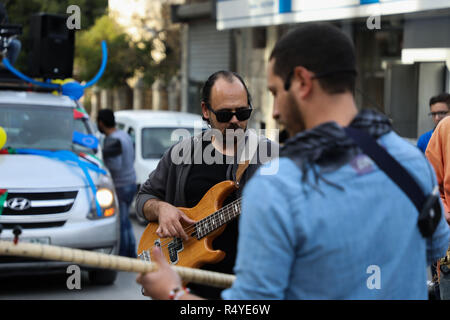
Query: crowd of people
{"type": "Point", "coordinates": [334, 211]}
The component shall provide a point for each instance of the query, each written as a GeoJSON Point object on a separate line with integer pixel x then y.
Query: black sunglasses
{"type": "Point", "coordinates": [226, 115]}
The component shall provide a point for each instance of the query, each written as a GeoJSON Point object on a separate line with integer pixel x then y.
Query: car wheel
{"type": "Point", "coordinates": [102, 277]}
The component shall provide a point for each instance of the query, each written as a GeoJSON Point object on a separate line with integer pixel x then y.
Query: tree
{"type": "Point", "coordinates": [125, 56]}
{"type": "Point", "coordinates": [166, 39]}
{"type": "Point", "coordinates": [121, 54]}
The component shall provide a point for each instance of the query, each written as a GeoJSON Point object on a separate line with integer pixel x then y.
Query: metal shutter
{"type": "Point", "coordinates": [209, 50]}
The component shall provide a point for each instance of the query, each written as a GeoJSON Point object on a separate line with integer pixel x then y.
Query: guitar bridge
{"type": "Point", "coordinates": [145, 256]}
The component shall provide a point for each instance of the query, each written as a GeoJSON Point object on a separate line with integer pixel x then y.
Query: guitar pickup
{"type": "Point", "coordinates": [174, 247]}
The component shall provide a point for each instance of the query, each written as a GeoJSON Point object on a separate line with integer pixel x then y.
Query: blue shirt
{"type": "Point", "coordinates": [422, 143]}
{"type": "Point", "coordinates": [359, 242]}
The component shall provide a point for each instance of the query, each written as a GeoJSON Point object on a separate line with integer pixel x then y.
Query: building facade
{"type": "Point", "coordinates": [402, 46]}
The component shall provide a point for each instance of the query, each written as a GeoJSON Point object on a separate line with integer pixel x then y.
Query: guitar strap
{"type": "Point", "coordinates": [249, 146]}
{"type": "Point", "coordinates": [240, 171]}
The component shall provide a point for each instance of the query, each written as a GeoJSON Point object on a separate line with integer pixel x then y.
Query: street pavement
{"type": "Point", "coordinates": [52, 286]}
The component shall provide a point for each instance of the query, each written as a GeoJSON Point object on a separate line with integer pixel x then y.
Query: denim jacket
{"type": "Point", "coordinates": [356, 241]}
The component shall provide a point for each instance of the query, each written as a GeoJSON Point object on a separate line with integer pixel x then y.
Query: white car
{"type": "Point", "coordinates": [52, 175]}
{"type": "Point", "coordinates": [151, 132]}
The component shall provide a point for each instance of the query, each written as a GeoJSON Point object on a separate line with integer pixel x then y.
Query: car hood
{"type": "Point", "coordinates": [31, 171]}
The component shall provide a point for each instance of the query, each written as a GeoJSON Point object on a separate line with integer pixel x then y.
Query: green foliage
{"type": "Point", "coordinates": [121, 56]}
{"type": "Point", "coordinates": [125, 57]}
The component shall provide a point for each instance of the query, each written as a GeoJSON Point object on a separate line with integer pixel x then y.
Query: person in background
{"type": "Point", "coordinates": [15, 45]}
{"type": "Point", "coordinates": [438, 153]}
{"type": "Point", "coordinates": [118, 154]}
{"type": "Point", "coordinates": [439, 109]}
{"type": "Point", "coordinates": [330, 224]}
{"type": "Point", "coordinates": [226, 106]}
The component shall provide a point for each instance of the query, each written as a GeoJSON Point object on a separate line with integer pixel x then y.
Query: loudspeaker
{"type": "Point", "coordinates": [52, 46]}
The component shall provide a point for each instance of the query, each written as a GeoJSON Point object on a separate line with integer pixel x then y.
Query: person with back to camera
{"type": "Point", "coordinates": [118, 154]}
{"type": "Point", "coordinates": [330, 223]}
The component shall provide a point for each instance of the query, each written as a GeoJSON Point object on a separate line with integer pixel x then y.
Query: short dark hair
{"type": "Point", "coordinates": [227, 75]}
{"type": "Point", "coordinates": [107, 117]}
{"type": "Point", "coordinates": [321, 48]}
{"type": "Point", "coordinates": [443, 97]}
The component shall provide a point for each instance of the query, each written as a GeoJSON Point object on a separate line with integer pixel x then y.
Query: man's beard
{"type": "Point", "coordinates": [229, 136]}
{"type": "Point", "coordinates": [233, 134]}
{"type": "Point", "coordinates": [295, 122]}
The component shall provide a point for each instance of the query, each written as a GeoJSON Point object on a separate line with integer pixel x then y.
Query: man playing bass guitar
{"type": "Point", "coordinates": [211, 157]}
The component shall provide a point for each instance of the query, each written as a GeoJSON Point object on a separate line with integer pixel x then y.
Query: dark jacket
{"type": "Point", "coordinates": [168, 181]}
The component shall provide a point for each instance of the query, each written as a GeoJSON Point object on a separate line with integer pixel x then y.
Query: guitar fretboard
{"type": "Point", "coordinates": [217, 219]}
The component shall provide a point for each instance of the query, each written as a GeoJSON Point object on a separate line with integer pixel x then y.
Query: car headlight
{"type": "Point", "coordinates": [106, 200]}
{"type": "Point", "coordinates": [105, 197]}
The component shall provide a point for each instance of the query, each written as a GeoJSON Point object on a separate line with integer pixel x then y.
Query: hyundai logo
{"type": "Point", "coordinates": [18, 204]}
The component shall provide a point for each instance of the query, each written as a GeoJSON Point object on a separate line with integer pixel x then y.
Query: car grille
{"type": "Point", "coordinates": [27, 225]}
{"type": "Point", "coordinates": [40, 203]}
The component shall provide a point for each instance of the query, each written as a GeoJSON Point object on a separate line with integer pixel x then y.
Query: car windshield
{"type": "Point", "coordinates": [43, 127]}
{"type": "Point", "coordinates": [155, 141]}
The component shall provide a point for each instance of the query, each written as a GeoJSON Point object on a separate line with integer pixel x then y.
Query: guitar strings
{"type": "Point", "coordinates": [227, 210]}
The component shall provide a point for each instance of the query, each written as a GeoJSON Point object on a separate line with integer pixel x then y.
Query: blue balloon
{"type": "Point", "coordinates": [73, 90]}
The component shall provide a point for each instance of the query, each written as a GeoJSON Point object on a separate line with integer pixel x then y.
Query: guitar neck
{"type": "Point", "coordinates": [105, 261]}
{"type": "Point", "coordinates": [218, 218]}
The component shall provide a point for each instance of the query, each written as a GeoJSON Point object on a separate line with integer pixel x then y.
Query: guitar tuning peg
{"type": "Point", "coordinates": [17, 231]}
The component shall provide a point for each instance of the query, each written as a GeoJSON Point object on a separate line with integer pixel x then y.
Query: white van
{"type": "Point", "coordinates": [151, 132]}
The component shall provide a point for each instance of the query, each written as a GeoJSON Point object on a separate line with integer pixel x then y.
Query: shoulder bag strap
{"type": "Point", "coordinates": [428, 206]}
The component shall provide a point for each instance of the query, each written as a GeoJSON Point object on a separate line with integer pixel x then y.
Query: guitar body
{"type": "Point", "coordinates": [193, 252]}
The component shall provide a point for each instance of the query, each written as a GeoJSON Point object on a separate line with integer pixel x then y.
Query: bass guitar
{"type": "Point", "coordinates": [211, 220]}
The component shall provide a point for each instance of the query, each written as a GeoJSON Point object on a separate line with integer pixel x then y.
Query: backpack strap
{"type": "Point", "coordinates": [428, 206]}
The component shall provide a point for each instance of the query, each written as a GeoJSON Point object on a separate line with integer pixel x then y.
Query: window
{"type": "Point", "coordinates": [155, 141]}
{"type": "Point", "coordinates": [32, 127]}
{"type": "Point", "coordinates": [120, 126]}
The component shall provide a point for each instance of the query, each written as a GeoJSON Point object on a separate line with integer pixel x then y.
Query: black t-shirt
{"type": "Point", "coordinates": [201, 178]}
